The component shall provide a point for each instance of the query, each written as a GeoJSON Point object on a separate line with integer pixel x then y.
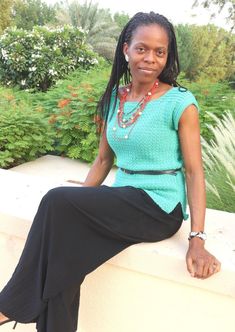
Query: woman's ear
{"type": "Point", "coordinates": [125, 51]}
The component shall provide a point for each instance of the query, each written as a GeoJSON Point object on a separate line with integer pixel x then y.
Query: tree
{"type": "Point", "coordinates": [28, 13]}
{"type": "Point", "coordinates": [221, 4]}
{"type": "Point", "coordinates": [98, 23]}
{"type": "Point", "coordinates": [121, 19]}
{"type": "Point", "coordinates": [5, 10]}
{"type": "Point", "coordinates": [220, 64]}
{"type": "Point", "coordinates": [205, 51]}
{"type": "Point", "coordinates": [184, 43]}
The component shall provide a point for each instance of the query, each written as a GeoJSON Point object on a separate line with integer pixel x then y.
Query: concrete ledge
{"type": "Point", "coordinates": [155, 265]}
{"type": "Point", "coordinates": [56, 168]}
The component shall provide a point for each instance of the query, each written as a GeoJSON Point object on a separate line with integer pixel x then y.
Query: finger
{"type": "Point", "coordinates": [199, 268]}
{"type": "Point", "coordinates": [206, 270]}
{"type": "Point", "coordinates": [211, 270]}
{"type": "Point", "coordinates": [74, 181]}
{"type": "Point", "coordinates": [190, 266]}
{"type": "Point", "coordinates": [214, 268]}
{"type": "Point", "coordinates": [218, 265]}
{"type": "Point", "coordinates": [211, 266]}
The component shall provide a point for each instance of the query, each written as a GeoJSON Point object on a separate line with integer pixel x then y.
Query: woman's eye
{"type": "Point", "coordinates": [160, 52]}
{"type": "Point", "coordinates": [140, 49]}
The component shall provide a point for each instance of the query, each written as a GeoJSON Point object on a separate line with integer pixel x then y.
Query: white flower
{"type": "Point", "coordinates": [32, 68]}
{"type": "Point", "coordinates": [4, 54]}
{"type": "Point", "coordinates": [36, 56]}
{"type": "Point", "coordinates": [37, 47]}
{"type": "Point", "coordinates": [23, 82]}
{"type": "Point", "coordinates": [94, 61]}
{"type": "Point", "coordinates": [83, 30]}
{"type": "Point", "coordinates": [52, 72]}
{"type": "Point", "coordinates": [3, 36]}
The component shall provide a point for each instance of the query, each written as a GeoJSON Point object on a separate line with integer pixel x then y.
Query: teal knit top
{"type": "Point", "coordinates": [152, 144]}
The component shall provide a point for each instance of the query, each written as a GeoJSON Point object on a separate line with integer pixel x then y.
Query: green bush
{"type": "Point", "coordinates": [75, 119]}
{"type": "Point", "coordinates": [48, 101]}
{"type": "Point", "coordinates": [37, 59]}
{"type": "Point", "coordinates": [213, 98]}
{"type": "Point", "coordinates": [12, 97]}
{"type": "Point", "coordinates": [24, 136]}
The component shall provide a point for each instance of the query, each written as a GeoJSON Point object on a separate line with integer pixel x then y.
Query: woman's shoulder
{"type": "Point", "coordinates": [174, 93]}
{"type": "Point", "coordinates": [182, 92]}
{"type": "Point", "coordinates": [181, 96]}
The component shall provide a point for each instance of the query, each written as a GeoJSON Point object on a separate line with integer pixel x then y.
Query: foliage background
{"type": "Point", "coordinates": [37, 59]}
{"type": "Point", "coordinates": [62, 119]}
{"type": "Point", "coordinates": [24, 134]}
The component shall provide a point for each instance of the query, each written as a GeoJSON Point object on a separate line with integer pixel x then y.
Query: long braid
{"type": "Point", "coordinates": [120, 70]}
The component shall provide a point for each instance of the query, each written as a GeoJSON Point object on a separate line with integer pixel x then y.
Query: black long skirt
{"type": "Point", "coordinates": [75, 230]}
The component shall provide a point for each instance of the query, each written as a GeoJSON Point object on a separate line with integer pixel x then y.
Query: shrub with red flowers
{"type": "Point", "coordinates": [75, 118]}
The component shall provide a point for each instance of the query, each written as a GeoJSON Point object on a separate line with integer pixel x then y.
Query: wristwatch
{"type": "Point", "coordinates": [201, 235]}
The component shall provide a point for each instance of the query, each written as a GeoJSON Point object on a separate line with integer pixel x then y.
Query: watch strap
{"type": "Point", "coordinates": [201, 235]}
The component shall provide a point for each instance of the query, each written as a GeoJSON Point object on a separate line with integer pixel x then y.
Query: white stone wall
{"type": "Point", "coordinates": [145, 288]}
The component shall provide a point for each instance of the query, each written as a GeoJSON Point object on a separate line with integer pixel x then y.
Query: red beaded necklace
{"type": "Point", "coordinates": [122, 121]}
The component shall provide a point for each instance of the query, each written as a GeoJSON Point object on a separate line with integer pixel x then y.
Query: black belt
{"type": "Point", "coordinates": [168, 171]}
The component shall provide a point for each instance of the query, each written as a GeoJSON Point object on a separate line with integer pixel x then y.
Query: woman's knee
{"type": "Point", "coordinates": [54, 195]}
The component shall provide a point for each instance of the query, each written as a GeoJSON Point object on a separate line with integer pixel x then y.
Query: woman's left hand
{"type": "Point", "coordinates": [200, 263]}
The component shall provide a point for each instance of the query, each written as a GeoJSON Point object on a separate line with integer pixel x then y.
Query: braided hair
{"type": "Point", "coordinates": [120, 70]}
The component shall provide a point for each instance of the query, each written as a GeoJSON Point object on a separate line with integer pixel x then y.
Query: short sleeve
{"type": "Point", "coordinates": [186, 99]}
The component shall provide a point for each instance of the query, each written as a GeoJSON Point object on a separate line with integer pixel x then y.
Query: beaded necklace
{"type": "Point", "coordinates": [121, 120]}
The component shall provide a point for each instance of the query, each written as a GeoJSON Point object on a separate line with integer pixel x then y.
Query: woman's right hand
{"type": "Point", "coordinates": [76, 182]}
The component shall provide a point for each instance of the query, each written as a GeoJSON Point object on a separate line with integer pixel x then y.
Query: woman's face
{"type": "Point", "coordinates": [147, 52]}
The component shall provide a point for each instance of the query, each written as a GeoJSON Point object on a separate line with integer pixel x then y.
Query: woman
{"type": "Point", "coordinates": [152, 127]}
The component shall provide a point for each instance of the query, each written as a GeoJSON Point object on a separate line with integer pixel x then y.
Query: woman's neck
{"type": "Point", "coordinates": [139, 90]}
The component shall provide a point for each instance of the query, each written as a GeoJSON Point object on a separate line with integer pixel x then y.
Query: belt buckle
{"type": "Point", "coordinates": [124, 170]}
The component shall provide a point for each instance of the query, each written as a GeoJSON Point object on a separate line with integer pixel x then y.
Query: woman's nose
{"type": "Point", "coordinates": [149, 56]}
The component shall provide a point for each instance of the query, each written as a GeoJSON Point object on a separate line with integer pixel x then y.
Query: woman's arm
{"type": "Point", "coordinates": [200, 262]}
{"type": "Point", "coordinates": [102, 164]}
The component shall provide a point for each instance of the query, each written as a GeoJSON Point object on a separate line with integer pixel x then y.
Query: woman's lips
{"type": "Point", "coordinates": [147, 70]}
